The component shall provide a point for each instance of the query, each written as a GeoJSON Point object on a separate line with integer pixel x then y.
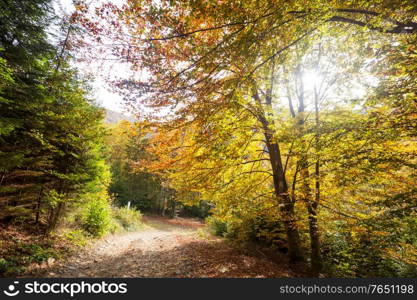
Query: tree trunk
{"type": "Point", "coordinates": [164, 202]}
{"type": "Point", "coordinates": [55, 217]}
{"type": "Point", "coordinates": [174, 209]}
{"type": "Point", "coordinates": [38, 206]}
{"type": "Point", "coordinates": [316, 259]}
{"type": "Point", "coordinates": [307, 195]}
{"type": "Point", "coordinates": [311, 205]}
{"type": "Point", "coordinates": [280, 186]}
{"type": "Point", "coordinates": [286, 204]}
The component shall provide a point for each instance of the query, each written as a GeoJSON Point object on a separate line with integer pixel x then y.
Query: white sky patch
{"type": "Point", "coordinates": [312, 79]}
{"type": "Point", "coordinates": [100, 70]}
{"type": "Point", "coordinates": [105, 97]}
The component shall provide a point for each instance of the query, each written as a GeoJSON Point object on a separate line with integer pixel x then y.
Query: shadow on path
{"type": "Point", "coordinates": [169, 248]}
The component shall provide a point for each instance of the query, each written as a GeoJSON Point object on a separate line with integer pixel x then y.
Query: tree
{"type": "Point", "coordinates": [52, 138]}
{"type": "Point", "coordinates": [212, 66]}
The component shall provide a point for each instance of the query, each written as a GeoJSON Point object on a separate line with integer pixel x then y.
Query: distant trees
{"type": "Point", "coordinates": [126, 145]}
{"type": "Point", "coordinates": [130, 157]}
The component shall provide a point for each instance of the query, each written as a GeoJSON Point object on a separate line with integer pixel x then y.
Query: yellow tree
{"type": "Point", "coordinates": [205, 59]}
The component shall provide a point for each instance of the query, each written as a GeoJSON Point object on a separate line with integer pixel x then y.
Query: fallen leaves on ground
{"type": "Point", "coordinates": [168, 248]}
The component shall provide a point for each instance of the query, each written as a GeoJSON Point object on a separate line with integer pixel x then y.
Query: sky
{"type": "Point", "coordinates": [101, 70]}
{"type": "Point", "coordinates": [102, 93]}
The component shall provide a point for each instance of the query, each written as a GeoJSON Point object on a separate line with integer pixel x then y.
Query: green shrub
{"type": "Point", "coordinates": [4, 265]}
{"type": "Point", "coordinates": [218, 227]}
{"type": "Point", "coordinates": [37, 253]}
{"type": "Point", "coordinates": [260, 229]}
{"type": "Point", "coordinates": [361, 257]}
{"type": "Point", "coordinates": [21, 255]}
{"type": "Point", "coordinates": [129, 218]}
{"type": "Point", "coordinates": [76, 237]}
{"type": "Point", "coordinates": [11, 267]}
{"type": "Point", "coordinates": [97, 219]}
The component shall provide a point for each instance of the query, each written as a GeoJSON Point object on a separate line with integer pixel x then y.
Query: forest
{"type": "Point", "coordinates": [282, 129]}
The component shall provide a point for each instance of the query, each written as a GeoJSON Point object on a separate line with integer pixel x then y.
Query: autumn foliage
{"type": "Point", "coordinates": [293, 121]}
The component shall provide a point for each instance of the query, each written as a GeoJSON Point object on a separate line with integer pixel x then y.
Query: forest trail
{"type": "Point", "coordinates": [167, 248]}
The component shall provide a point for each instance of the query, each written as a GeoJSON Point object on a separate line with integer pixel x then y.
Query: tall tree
{"type": "Point", "coordinates": [207, 60]}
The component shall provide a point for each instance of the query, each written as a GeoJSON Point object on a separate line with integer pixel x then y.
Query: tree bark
{"type": "Point", "coordinates": [38, 206]}
{"type": "Point", "coordinates": [280, 186]}
{"type": "Point", "coordinates": [311, 205]}
{"type": "Point", "coordinates": [316, 259]}
{"type": "Point", "coordinates": [55, 217]}
{"type": "Point", "coordinates": [286, 204]}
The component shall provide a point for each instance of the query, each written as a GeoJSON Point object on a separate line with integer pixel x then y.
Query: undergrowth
{"type": "Point", "coordinates": [25, 246]}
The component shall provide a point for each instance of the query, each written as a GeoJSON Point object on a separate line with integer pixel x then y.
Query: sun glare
{"type": "Point", "coordinates": [312, 79]}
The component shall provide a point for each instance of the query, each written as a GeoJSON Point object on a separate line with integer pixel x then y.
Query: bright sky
{"type": "Point", "coordinates": [99, 70]}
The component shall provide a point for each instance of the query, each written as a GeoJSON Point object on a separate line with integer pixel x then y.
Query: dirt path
{"type": "Point", "coordinates": [166, 248]}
